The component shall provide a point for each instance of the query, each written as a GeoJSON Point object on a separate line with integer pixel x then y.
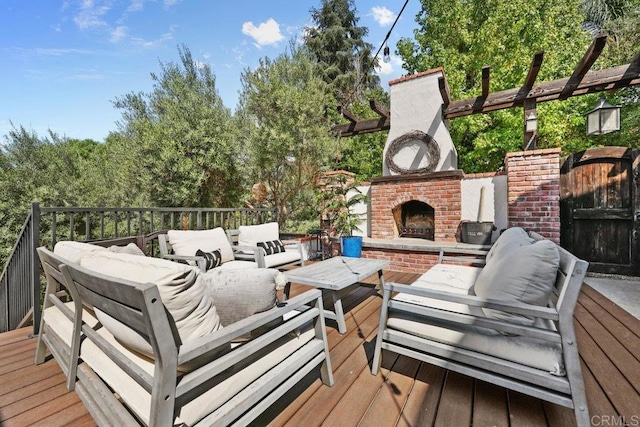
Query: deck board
{"type": "Point", "coordinates": [406, 393]}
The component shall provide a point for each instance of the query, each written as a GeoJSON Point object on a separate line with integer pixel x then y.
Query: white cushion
{"type": "Point", "coordinates": [250, 235]}
{"type": "Point", "coordinates": [524, 274]}
{"type": "Point", "coordinates": [75, 251]}
{"type": "Point", "coordinates": [131, 249]}
{"type": "Point", "coordinates": [282, 258]}
{"type": "Point", "coordinates": [523, 350]}
{"type": "Point", "coordinates": [139, 400]}
{"type": "Point", "coordinates": [181, 288]}
{"type": "Point", "coordinates": [187, 242]}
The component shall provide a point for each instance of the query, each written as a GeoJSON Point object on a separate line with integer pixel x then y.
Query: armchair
{"type": "Point", "coordinates": [264, 240]}
{"type": "Point", "coordinates": [182, 246]}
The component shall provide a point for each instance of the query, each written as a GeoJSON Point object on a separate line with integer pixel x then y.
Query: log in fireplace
{"type": "Point", "coordinates": [414, 219]}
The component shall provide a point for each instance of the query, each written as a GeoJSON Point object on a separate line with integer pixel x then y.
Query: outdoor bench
{"type": "Point", "coordinates": [145, 343]}
{"type": "Point", "coordinates": [509, 322]}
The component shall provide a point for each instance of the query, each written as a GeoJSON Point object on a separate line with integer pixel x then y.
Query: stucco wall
{"type": "Point", "coordinates": [494, 201]}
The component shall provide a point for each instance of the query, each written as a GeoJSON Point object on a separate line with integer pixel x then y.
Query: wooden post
{"type": "Point", "coordinates": [530, 126]}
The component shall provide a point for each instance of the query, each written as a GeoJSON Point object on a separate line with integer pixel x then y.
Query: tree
{"type": "Point", "coordinates": [185, 138]}
{"type": "Point", "coordinates": [281, 103]}
{"type": "Point", "coordinates": [344, 58]}
{"type": "Point", "coordinates": [464, 35]}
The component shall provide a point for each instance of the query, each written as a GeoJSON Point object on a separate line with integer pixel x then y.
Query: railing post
{"type": "Point", "coordinates": [35, 265]}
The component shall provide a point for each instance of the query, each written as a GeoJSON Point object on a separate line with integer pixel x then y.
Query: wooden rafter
{"type": "Point", "coordinates": [486, 73]}
{"type": "Point", "coordinates": [532, 75]}
{"type": "Point", "coordinates": [584, 65]}
{"type": "Point", "coordinates": [380, 109]}
{"type": "Point", "coordinates": [444, 91]}
{"type": "Point", "coordinates": [581, 82]}
{"type": "Point", "coordinates": [348, 114]}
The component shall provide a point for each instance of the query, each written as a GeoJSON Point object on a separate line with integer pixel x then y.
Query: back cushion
{"type": "Point", "coordinates": [510, 239]}
{"type": "Point", "coordinates": [181, 288]}
{"type": "Point", "coordinates": [75, 251]}
{"type": "Point", "coordinates": [251, 235]}
{"type": "Point", "coordinates": [525, 274]}
{"type": "Point", "coordinates": [187, 242]}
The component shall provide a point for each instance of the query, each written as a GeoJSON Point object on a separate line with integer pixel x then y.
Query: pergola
{"type": "Point", "coordinates": [581, 82]}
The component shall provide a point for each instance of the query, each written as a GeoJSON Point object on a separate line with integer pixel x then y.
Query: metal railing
{"type": "Point", "coordinates": [20, 282]}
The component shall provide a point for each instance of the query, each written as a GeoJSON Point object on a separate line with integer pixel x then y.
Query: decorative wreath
{"type": "Point", "coordinates": [432, 154]}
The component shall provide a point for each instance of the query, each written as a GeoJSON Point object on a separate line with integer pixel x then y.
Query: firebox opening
{"type": "Point", "coordinates": [414, 219]}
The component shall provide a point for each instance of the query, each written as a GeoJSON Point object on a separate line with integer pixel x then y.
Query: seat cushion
{"type": "Point", "coordinates": [182, 290]}
{"type": "Point", "coordinates": [187, 242]}
{"type": "Point", "coordinates": [286, 257]}
{"type": "Point", "coordinates": [139, 400]}
{"type": "Point", "coordinates": [524, 274]}
{"type": "Point", "coordinates": [527, 351]}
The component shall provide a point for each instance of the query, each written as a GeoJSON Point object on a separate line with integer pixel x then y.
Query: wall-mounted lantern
{"type": "Point", "coordinates": [531, 122]}
{"type": "Point", "coordinates": [604, 118]}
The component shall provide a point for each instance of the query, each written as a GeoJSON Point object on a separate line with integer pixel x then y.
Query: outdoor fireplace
{"type": "Point", "coordinates": [414, 219]}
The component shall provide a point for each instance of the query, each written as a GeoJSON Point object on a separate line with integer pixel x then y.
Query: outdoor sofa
{"type": "Point", "coordinates": [264, 240]}
{"type": "Point", "coordinates": [509, 322]}
{"type": "Point", "coordinates": [150, 341]}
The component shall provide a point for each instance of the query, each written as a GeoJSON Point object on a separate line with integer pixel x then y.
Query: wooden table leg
{"type": "Point", "coordinates": [337, 308]}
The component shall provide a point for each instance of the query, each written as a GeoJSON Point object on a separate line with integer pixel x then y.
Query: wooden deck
{"type": "Point", "coordinates": [407, 393]}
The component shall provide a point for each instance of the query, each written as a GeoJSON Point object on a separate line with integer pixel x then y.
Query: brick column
{"type": "Point", "coordinates": [533, 180]}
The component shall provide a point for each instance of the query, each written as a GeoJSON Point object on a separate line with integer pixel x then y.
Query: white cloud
{"type": "Point", "coordinates": [382, 15]}
{"type": "Point", "coordinates": [267, 33]}
{"type": "Point", "coordinates": [391, 67]}
{"type": "Point", "coordinates": [119, 34]}
{"type": "Point", "coordinates": [149, 44]}
{"type": "Point", "coordinates": [59, 51]}
{"type": "Point", "coordinates": [169, 3]}
{"type": "Point", "coordinates": [135, 6]}
{"type": "Point", "coordinates": [90, 14]}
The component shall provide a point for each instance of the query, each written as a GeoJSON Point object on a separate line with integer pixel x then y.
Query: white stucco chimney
{"type": "Point", "coordinates": [416, 105]}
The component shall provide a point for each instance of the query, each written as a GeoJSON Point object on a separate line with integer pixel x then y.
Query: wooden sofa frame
{"type": "Point", "coordinates": [567, 391]}
{"type": "Point", "coordinates": [139, 306]}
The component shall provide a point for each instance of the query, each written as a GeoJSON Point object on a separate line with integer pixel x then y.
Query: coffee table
{"type": "Point", "coordinates": [337, 276]}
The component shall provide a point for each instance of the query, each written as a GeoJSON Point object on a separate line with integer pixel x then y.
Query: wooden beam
{"type": "Point", "coordinates": [593, 81]}
{"type": "Point", "coordinates": [532, 75]}
{"type": "Point", "coordinates": [631, 73]}
{"type": "Point", "coordinates": [444, 91]}
{"type": "Point", "coordinates": [378, 108]}
{"type": "Point", "coordinates": [363, 126]}
{"type": "Point", "coordinates": [486, 73]}
{"type": "Point", "coordinates": [584, 65]}
{"type": "Point", "coordinates": [348, 114]}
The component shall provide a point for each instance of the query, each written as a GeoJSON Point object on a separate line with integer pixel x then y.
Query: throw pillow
{"type": "Point", "coordinates": [511, 238]}
{"type": "Point", "coordinates": [272, 247]}
{"type": "Point", "coordinates": [181, 288]}
{"type": "Point", "coordinates": [131, 249]}
{"type": "Point", "coordinates": [525, 274]}
{"type": "Point", "coordinates": [187, 242]}
{"type": "Point", "coordinates": [240, 293]}
{"type": "Point", "coordinates": [212, 259]}
{"type": "Point", "coordinates": [75, 251]}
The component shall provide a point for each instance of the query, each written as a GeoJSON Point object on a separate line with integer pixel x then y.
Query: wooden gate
{"type": "Point", "coordinates": [600, 210]}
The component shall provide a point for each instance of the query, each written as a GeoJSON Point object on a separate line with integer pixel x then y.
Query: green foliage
{"type": "Point", "coordinates": [184, 139]}
{"type": "Point", "coordinates": [464, 35]}
{"type": "Point", "coordinates": [362, 154]}
{"type": "Point", "coordinates": [285, 129]}
{"type": "Point", "coordinates": [343, 57]}
{"type": "Point", "coordinates": [338, 199]}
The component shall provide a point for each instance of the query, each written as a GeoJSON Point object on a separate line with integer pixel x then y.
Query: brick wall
{"type": "Point", "coordinates": [405, 261]}
{"type": "Point", "coordinates": [440, 190]}
{"type": "Point", "coordinates": [533, 179]}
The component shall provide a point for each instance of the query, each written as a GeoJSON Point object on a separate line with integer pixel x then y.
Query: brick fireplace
{"type": "Point", "coordinates": [440, 194]}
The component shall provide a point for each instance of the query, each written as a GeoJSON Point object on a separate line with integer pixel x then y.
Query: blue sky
{"type": "Point", "coordinates": [63, 62]}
